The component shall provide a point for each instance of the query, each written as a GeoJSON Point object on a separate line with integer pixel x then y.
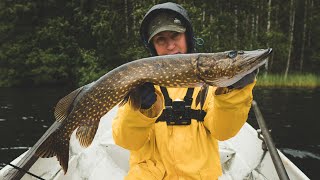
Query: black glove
{"type": "Point", "coordinates": [247, 79]}
{"type": "Point", "coordinates": [147, 94]}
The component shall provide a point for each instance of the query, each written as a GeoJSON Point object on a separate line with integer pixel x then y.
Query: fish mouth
{"type": "Point", "coordinates": [254, 59]}
{"type": "Point", "coordinates": [267, 53]}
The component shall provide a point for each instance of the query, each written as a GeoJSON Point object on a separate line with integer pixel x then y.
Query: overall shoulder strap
{"type": "Point", "coordinates": [188, 98]}
{"type": "Point", "coordinates": [167, 99]}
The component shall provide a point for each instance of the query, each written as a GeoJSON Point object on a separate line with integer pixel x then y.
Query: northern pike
{"type": "Point", "coordinates": [83, 108]}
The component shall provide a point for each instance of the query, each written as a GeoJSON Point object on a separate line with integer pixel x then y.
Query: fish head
{"type": "Point", "coordinates": [223, 69]}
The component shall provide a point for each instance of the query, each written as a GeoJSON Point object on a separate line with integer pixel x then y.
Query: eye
{"type": "Point", "coordinates": [159, 40]}
{"type": "Point", "coordinates": [232, 54]}
{"type": "Point", "coordinates": [175, 35]}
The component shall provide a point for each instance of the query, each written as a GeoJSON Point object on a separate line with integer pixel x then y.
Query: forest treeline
{"type": "Point", "coordinates": [71, 43]}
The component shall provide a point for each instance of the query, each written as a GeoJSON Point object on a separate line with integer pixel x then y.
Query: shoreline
{"type": "Point", "coordinates": [310, 81]}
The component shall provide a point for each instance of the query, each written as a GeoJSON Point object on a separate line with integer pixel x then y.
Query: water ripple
{"type": "Point", "coordinates": [8, 106]}
{"type": "Point", "coordinates": [301, 154]}
{"type": "Point", "coordinates": [14, 148]}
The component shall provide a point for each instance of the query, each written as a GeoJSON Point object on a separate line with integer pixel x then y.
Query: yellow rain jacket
{"type": "Point", "coordinates": [158, 151]}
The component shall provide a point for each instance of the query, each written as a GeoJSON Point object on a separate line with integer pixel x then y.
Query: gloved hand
{"type": "Point", "coordinates": [247, 79]}
{"type": "Point", "coordinates": [147, 94]}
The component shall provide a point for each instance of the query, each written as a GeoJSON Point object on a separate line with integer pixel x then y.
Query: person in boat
{"type": "Point", "coordinates": [170, 138]}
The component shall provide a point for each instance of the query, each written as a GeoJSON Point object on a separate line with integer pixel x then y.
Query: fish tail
{"type": "Point", "coordinates": [51, 147]}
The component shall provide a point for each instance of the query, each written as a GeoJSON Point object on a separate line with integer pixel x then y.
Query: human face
{"type": "Point", "coordinates": [170, 42]}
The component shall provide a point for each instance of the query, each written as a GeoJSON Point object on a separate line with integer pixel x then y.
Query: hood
{"type": "Point", "coordinates": [170, 7]}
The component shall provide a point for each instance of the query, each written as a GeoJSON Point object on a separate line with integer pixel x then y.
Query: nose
{"type": "Point", "coordinates": [171, 44]}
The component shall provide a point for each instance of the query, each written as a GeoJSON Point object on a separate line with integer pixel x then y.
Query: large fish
{"type": "Point", "coordinates": [84, 107]}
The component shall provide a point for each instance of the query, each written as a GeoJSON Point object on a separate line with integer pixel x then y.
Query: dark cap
{"type": "Point", "coordinates": [164, 22]}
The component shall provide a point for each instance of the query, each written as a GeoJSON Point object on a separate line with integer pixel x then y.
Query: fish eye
{"type": "Point", "coordinates": [232, 54]}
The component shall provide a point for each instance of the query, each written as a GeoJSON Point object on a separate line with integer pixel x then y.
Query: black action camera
{"type": "Point", "coordinates": [179, 114]}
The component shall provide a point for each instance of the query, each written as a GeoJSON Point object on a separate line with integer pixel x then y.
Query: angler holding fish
{"type": "Point", "coordinates": [173, 139]}
{"type": "Point", "coordinates": [175, 106]}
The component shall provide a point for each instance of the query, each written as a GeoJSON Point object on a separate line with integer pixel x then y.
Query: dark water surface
{"type": "Point", "coordinates": [293, 117]}
{"type": "Point", "coordinates": [25, 114]}
{"type": "Point", "coordinates": [292, 114]}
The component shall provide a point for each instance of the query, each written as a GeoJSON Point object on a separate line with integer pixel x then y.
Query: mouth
{"type": "Point", "coordinates": [173, 52]}
{"type": "Point", "coordinates": [258, 55]}
{"type": "Point", "coordinates": [267, 53]}
{"type": "Point", "coordinates": [262, 59]}
{"type": "Point", "coordinates": [255, 59]}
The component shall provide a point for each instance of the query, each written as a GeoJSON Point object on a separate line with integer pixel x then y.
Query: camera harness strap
{"type": "Point", "coordinates": [180, 112]}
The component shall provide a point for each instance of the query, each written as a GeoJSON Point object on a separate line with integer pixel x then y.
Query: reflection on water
{"type": "Point", "coordinates": [14, 148]}
{"type": "Point", "coordinates": [301, 154]}
{"type": "Point", "coordinates": [292, 114]}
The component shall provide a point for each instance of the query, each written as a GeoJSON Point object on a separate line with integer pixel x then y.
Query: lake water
{"type": "Point", "coordinates": [292, 114]}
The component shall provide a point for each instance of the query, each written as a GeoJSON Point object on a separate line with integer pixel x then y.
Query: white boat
{"type": "Point", "coordinates": [242, 157]}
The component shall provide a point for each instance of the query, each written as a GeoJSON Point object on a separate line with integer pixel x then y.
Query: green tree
{"type": "Point", "coordinates": [74, 42]}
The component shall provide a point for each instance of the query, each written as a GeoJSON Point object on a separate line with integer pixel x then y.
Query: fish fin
{"type": "Point", "coordinates": [51, 147]}
{"type": "Point", "coordinates": [125, 100]}
{"type": "Point", "coordinates": [85, 134]}
{"type": "Point", "coordinates": [63, 158]}
{"type": "Point", "coordinates": [133, 98]}
{"type": "Point", "coordinates": [201, 97]}
{"type": "Point", "coordinates": [198, 97]}
{"type": "Point", "coordinates": [65, 105]}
